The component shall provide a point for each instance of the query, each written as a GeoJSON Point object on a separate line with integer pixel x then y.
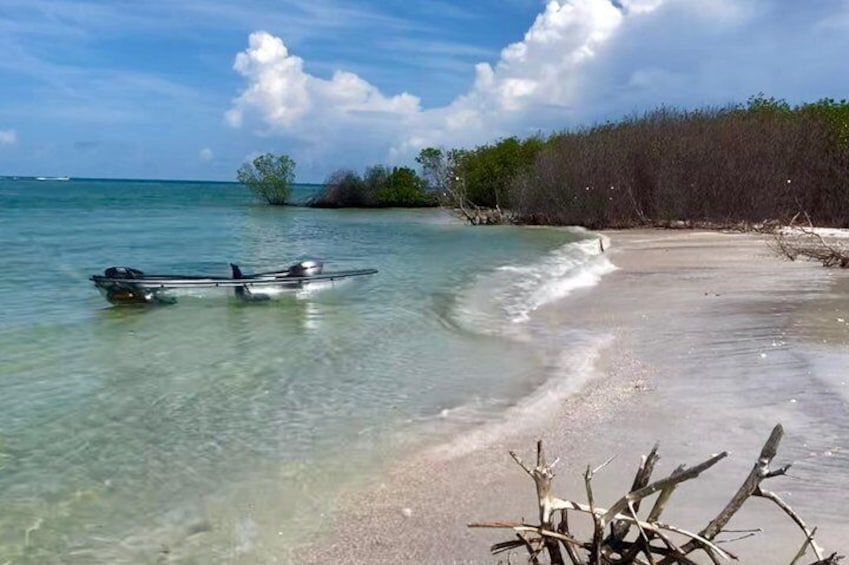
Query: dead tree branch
{"type": "Point", "coordinates": [643, 541]}
{"type": "Point", "coordinates": [795, 240]}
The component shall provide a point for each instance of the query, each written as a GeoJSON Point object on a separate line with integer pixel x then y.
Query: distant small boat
{"type": "Point", "coordinates": [53, 178]}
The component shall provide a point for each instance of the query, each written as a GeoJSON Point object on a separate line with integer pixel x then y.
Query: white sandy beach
{"type": "Point", "coordinates": [711, 340]}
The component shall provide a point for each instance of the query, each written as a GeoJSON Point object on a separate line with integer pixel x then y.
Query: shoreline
{"type": "Point", "coordinates": [680, 303]}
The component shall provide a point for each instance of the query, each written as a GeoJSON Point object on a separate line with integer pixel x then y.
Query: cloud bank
{"type": "Point", "coordinates": [579, 62]}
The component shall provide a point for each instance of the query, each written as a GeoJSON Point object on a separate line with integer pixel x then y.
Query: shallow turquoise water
{"type": "Point", "coordinates": [210, 429]}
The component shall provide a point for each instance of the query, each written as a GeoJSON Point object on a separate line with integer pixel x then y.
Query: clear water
{"type": "Point", "coordinates": [216, 430]}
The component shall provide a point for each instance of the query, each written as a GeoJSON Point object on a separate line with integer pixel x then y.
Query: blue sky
{"type": "Point", "coordinates": [189, 89]}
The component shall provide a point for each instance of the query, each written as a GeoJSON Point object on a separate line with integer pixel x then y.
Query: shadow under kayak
{"type": "Point", "coordinates": [126, 285]}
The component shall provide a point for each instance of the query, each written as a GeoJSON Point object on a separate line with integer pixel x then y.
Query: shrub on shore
{"type": "Point", "coordinates": [378, 187]}
{"type": "Point", "coordinates": [487, 172]}
{"type": "Point", "coordinates": [725, 165]}
{"type": "Point", "coordinates": [738, 164]}
{"type": "Point", "coordinates": [269, 176]}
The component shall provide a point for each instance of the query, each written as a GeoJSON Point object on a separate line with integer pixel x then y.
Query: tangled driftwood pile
{"type": "Point", "coordinates": [796, 240]}
{"type": "Point", "coordinates": [621, 537]}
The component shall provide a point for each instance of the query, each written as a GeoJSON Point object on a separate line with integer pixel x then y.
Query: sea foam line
{"type": "Point", "coordinates": [513, 293]}
{"type": "Point", "coordinates": [578, 364]}
{"type": "Point", "coordinates": [508, 296]}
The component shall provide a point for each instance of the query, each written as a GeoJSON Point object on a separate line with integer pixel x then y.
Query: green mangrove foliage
{"type": "Point", "coordinates": [746, 163]}
{"type": "Point", "coordinates": [439, 168]}
{"type": "Point", "coordinates": [269, 176]}
{"type": "Point", "coordinates": [378, 187]}
{"type": "Point", "coordinates": [478, 178]}
{"type": "Point", "coordinates": [487, 173]}
{"type": "Point", "coordinates": [764, 160]}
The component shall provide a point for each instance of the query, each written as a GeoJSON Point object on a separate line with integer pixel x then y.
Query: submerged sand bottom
{"type": "Point", "coordinates": [712, 341]}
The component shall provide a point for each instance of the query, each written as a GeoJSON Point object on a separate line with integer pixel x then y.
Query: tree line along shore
{"type": "Point", "coordinates": [742, 164]}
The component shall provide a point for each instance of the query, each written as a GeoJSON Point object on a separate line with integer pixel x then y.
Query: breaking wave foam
{"type": "Point", "coordinates": [499, 301]}
{"type": "Point", "coordinates": [503, 303]}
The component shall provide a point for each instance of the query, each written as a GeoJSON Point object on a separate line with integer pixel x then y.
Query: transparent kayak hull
{"type": "Point", "coordinates": [124, 285]}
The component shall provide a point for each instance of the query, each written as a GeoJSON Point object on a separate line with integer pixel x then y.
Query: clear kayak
{"type": "Point", "coordinates": [126, 285]}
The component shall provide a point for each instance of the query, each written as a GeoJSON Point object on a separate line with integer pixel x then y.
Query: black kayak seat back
{"type": "Point", "coordinates": [237, 272]}
{"type": "Point", "coordinates": [123, 273]}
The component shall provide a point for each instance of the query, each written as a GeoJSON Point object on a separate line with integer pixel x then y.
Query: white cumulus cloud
{"type": "Point", "coordinates": [286, 99]}
{"type": "Point", "coordinates": [540, 75]}
{"type": "Point", "coordinates": [580, 61]}
{"type": "Point", "coordinates": [8, 137]}
{"type": "Point", "coordinates": [541, 70]}
{"type": "Point", "coordinates": [206, 154]}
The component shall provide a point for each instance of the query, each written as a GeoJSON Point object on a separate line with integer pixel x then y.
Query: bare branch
{"type": "Point", "coordinates": [809, 534]}
{"type": "Point", "coordinates": [794, 241]}
{"type": "Point", "coordinates": [521, 463]}
{"type": "Point", "coordinates": [654, 545]}
{"type": "Point", "coordinates": [644, 471]}
{"type": "Point", "coordinates": [671, 480]}
{"type": "Point", "coordinates": [809, 538]}
{"type": "Point", "coordinates": [758, 473]}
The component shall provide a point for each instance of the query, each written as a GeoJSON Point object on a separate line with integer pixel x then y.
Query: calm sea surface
{"type": "Point", "coordinates": [214, 430]}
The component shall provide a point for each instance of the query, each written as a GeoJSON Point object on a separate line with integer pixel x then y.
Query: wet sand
{"type": "Point", "coordinates": [710, 341]}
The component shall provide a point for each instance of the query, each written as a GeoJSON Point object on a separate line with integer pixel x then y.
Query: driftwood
{"type": "Point", "coordinates": [478, 216]}
{"type": "Point", "coordinates": [743, 226]}
{"type": "Point", "coordinates": [453, 197]}
{"type": "Point", "coordinates": [796, 240]}
{"type": "Point", "coordinates": [621, 537]}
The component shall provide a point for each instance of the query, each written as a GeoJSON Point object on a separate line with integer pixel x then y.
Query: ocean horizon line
{"type": "Point", "coordinates": [63, 178]}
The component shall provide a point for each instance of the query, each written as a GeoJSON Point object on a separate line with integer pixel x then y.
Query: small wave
{"type": "Point", "coordinates": [577, 365]}
{"type": "Point", "coordinates": [514, 269]}
{"type": "Point", "coordinates": [476, 411]}
{"type": "Point", "coordinates": [500, 300]}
